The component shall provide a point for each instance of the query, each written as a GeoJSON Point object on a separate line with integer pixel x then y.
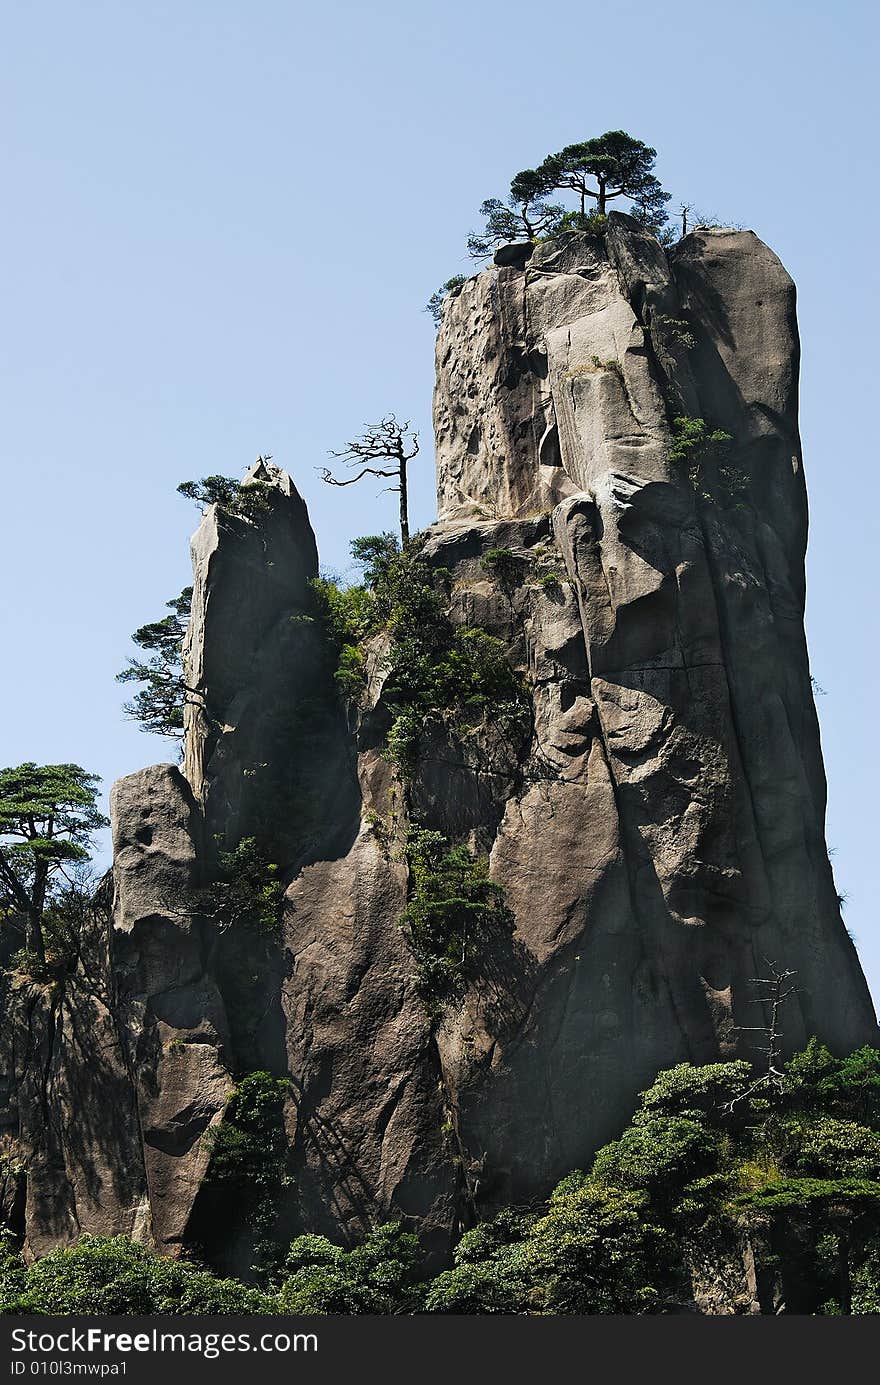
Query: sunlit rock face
{"type": "Point", "coordinates": [658, 831]}
{"type": "Point", "coordinates": [681, 848]}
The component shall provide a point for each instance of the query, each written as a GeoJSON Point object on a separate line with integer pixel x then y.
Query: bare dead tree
{"type": "Point", "coordinates": [773, 991]}
{"type": "Point", "coordinates": [390, 446]}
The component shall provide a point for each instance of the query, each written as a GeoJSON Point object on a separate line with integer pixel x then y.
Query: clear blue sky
{"type": "Point", "coordinates": [223, 220]}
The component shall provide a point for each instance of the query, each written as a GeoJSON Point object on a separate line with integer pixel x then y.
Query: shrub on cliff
{"type": "Point", "coordinates": [437, 673]}
{"type": "Point", "coordinates": [454, 912]}
{"type": "Point", "coordinates": [702, 453]}
{"type": "Point", "coordinates": [249, 1151]}
{"type": "Point", "coordinates": [434, 305]}
{"type": "Point", "coordinates": [247, 890]}
{"type": "Point", "coordinates": [249, 501]}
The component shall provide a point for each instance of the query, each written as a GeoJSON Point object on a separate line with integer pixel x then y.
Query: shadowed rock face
{"type": "Point", "coordinates": [659, 836]}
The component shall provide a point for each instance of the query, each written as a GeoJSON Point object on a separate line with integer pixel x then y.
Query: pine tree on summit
{"type": "Point", "coordinates": [610, 166]}
{"type": "Point", "coordinates": [603, 169]}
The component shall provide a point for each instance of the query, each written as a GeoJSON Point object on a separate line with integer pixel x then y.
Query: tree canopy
{"type": "Point", "coordinates": [522, 217]}
{"type": "Point", "coordinates": [48, 817]}
{"type": "Point", "coordinates": [601, 170]}
{"type": "Point", "coordinates": [158, 705]}
{"type": "Point", "coordinates": [248, 499]}
{"type": "Point", "coordinates": [711, 1164]}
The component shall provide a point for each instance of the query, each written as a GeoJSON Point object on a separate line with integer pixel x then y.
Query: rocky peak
{"type": "Point", "coordinates": [655, 821]}
{"type": "Point", "coordinates": [248, 647]}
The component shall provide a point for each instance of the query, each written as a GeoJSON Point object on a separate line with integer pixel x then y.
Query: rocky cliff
{"type": "Point", "coordinates": [658, 828]}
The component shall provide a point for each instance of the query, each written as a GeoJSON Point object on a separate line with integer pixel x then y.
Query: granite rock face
{"type": "Point", "coordinates": [658, 832]}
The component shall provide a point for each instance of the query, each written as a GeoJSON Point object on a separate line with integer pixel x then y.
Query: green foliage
{"type": "Point", "coordinates": [504, 566]}
{"type": "Point", "coordinates": [379, 1276]}
{"type": "Point", "coordinates": [249, 1151]}
{"type": "Point", "coordinates": [524, 217]}
{"type": "Point", "coordinates": [434, 305]}
{"type": "Point", "coordinates": [248, 499]}
{"type": "Point", "coordinates": [489, 1238]}
{"type": "Point", "coordinates": [613, 366]}
{"type": "Point", "coordinates": [701, 452]}
{"type": "Point", "coordinates": [376, 555]}
{"type": "Point", "coordinates": [476, 1289]}
{"type": "Point", "coordinates": [659, 1155]}
{"type": "Point", "coordinates": [594, 1251]}
{"type": "Point", "coordinates": [600, 170]}
{"type": "Point", "coordinates": [158, 706]}
{"type": "Point", "coordinates": [48, 817]}
{"type": "Point", "coordinates": [674, 331]}
{"type": "Point", "coordinates": [693, 443]}
{"type": "Point", "coordinates": [13, 1277]}
{"type": "Point", "coordinates": [47, 813]}
{"type": "Point", "coordinates": [591, 223]}
{"type": "Point", "coordinates": [348, 616]}
{"type": "Point", "coordinates": [247, 890]}
{"type": "Point", "coordinates": [440, 673]}
{"type": "Point", "coordinates": [826, 1146]}
{"type": "Point", "coordinates": [249, 1143]}
{"type": "Point", "coordinates": [603, 168]}
{"type": "Point", "coordinates": [113, 1275]}
{"type": "Point", "coordinates": [710, 1157]}
{"type": "Point", "coordinates": [437, 673]}
{"type": "Point", "coordinates": [848, 1088]}
{"type": "Point", "coordinates": [697, 1092]}
{"type": "Point", "coordinates": [454, 912]}
{"type": "Point", "coordinates": [211, 490]}
{"type": "Point", "coordinates": [65, 917]}
{"type": "Point", "coordinates": [550, 581]}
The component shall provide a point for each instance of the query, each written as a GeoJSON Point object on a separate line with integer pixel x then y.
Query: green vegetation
{"type": "Point", "coordinates": [714, 1159]}
{"type": "Point", "coordinates": [710, 1158]}
{"type": "Point", "coordinates": [694, 445]}
{"type": "Point", "coordinates": [454, 912]}
{"type": "Point", "coordinates": [379, 1276]}
{"type": "Point", "coordinates": [505, 567]}
{"type": "Point", "coordinates": [248, 500]}
{"type": "Point", "coordinates": [673, 331]}
{"type": "Point", "coordinates": [436, 673]}
{"type": "Point", "coordinates": [112, 1275]}
{"type": "Point", "coordinates": [249, 1157]}
{"type": "Point", "coordinates": [247, 890]}
{"type": "Point", "coordinates": [595, 1250]}
{"type": "Point", "coordinates": [434, 305]}
{"type": "Point", "coordinates": [65, 919]}
{"type": "Point", "coordinates": [701, 452]}
{"type": "Point", "coordinates": [48, 817]}
{"type": "Point", "coordinates": [525, 216]}
{"type": "Point", "coordinates": [601, 170]}
{"type": "Point", "coordinates": [158, 706]}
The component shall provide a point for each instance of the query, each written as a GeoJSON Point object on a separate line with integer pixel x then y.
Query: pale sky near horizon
{"type": "Point", "coordinates": [223, 221]}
